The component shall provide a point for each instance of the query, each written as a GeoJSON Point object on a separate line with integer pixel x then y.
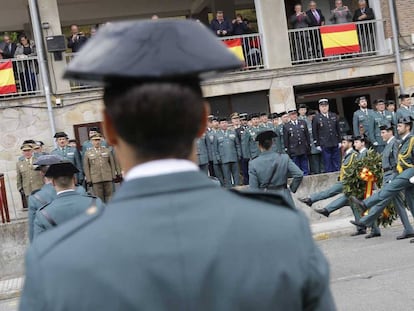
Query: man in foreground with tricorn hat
{"type": "Point", "coordinates": [68, 202]}
{"type": "Point", "coordinates": [161, 244]}
{"type": "Point", "coordinates": [270, 170]}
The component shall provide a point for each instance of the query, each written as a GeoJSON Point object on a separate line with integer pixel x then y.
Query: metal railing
{"type": "Point", "coordinates": [251, 50]}
{"type": "Point", "coordinates": [22, 80]}
{"type": "Point", "coordinates": [76, 85]}
{"type": "Point", "coordinates": [306, 44]}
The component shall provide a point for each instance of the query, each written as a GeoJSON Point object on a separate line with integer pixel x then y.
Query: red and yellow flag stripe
{"type": "Point", "coordinates": [235, 46]}
{"type": "Point", "coordinates": [7, 82]}
{"type": "Point", "coordinates": [340, 39]}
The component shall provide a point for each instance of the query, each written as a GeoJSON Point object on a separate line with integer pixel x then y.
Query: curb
{"type": "Point", "coordinates": [10, 295]}
{"type": "Point", "coordinates": [11, 288]}
{"type": "Point", "coordinates": [321, 236]}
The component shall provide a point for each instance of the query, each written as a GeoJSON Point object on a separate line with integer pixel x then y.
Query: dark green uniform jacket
{"type": "Point", "coordinates": [178, 242]}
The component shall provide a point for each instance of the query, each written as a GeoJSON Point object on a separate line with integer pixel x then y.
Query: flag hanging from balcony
{"type": "Point", "coordinates": [7, 82]}
{"type": "Point", "coordinates": [339, 39]}
{"type": "Point", "coordinates": [235, 46]}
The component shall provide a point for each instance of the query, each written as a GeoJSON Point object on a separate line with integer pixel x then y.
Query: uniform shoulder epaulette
{"type": "Point", "coordinates": [45, 243]}
{"type": "Point", "coordinates": [268, 197]}
{"type": "Point", "coordinates": [44, 206]}
{"type": "Point", "coordinates": [35, 191]}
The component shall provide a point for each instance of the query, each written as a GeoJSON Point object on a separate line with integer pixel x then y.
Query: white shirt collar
{"type": "Point", "coordinates": [160, 167]}
{"type": "Point", "coordinates": [349, 150]}
{"type": "Point", "coordinates": [389, 140]}
{"type": "Point", "coordinates": [63, 191]}
{"type": "Point", "coordinates": [405, 136]}
{"type": "Point", "coordinates": [362, 150]}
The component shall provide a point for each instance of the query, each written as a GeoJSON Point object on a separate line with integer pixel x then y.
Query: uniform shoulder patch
{"type": "Point", "coordinates": [269, 197]}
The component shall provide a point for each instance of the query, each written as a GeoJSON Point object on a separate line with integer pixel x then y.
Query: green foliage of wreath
{"type": "Point", "coordinates": [355, 186]}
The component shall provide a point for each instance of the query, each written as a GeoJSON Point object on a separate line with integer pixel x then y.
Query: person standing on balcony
{"type": "Point", "coordinates": [239, 26]}
{"type": "Point", "coordinates": [316, 19]}
{"type": "Point", "coordinates": [300, 42]}
{"type": "Point", "coordinates": [326, 135]}
{"type": "Point", "coordinates": [221, 26]}
{"type": "Point", "coordinates": [366, 31]}
{"type": "Point", "coordinates": [77, 39]}
{"type": "Point", "coordinates": [27, 68]}
{"type": "Point", "coordinates": [7, 48]}
{"type": "Point", "coordinates": [341, 14]}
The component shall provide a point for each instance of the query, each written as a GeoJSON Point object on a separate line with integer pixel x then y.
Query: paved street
{"type": "Point", "coordinates": [367, 275]}
{"type": "Point", "coordinates": [375, 274]}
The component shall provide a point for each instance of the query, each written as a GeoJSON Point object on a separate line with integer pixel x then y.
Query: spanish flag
{"type": "Point", "coordinates": [235, 46]}
{"type": "Point", "coordinates": [7, 82]}
{"type": "Point", "coordinates": [339, 39]}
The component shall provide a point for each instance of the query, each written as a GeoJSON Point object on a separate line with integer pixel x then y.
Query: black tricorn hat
{"type": "Point", "coordinates": [60, 134]}
{"type": "Point", "coordinates": [403, 95]}
{"type": "Point", "coordinates": [161, 50]}
{"type": "Point", "coordinates": [386, 127]}
{"type": "Point", "coordinates": [61, 169]}
{"type": "Point", "coordinates": [405, 120]}
{"type": "Point", "coordinates": [348, 138]}
{"type": "Point", "coordinates": [360, 138]}
{"type": "Point", "coordinates": [266, 135]}
{"type": "Point", "coordinates": [46, 160]}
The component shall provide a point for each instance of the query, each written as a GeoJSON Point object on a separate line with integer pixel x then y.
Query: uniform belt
{"type": "Point", "coordinates": [280, 187]}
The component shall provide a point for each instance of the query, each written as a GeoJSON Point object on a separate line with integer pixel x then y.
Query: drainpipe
{"type": "Point", "coordinates": [43, 68]}
{"type": "Point", "coordinates": [396, 45]}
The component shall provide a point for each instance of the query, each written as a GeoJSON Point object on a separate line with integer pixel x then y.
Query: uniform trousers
{"type": "Point", "coordinates": [103, 190]}
{"type": "Point", "coordinates": [218, 173]}
{"type": "Point", "coordinates": [231, 169]}
{"type": "Point", "coordinates": [203, 168]}
{"type": "Point", "coordinates": [331, 159]}
{"type": "Point", "coordinates": [316, 163]}
{"type": "Point", "coordinates": [302, 162]}
{"type": "Point", "coordinates": [244, 165]}
{"type": "Point", "coordinates": [376, 210]}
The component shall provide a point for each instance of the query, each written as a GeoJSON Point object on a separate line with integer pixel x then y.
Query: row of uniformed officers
{"type": "Point", "coordinates": [96, 165]}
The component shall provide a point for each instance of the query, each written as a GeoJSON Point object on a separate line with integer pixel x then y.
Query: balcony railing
{"type": "Point", "coordinates": [306, 43]}
{"type": "Point", "coordinates": [25, 72]}
{"type": "Point", "coordinates": [251, 47]}
{"type": "Point", "coordinates": [77, 85]}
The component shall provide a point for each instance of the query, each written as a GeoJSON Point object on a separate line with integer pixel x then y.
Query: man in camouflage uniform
{"type": "Point", "coordinates": [100, 170]}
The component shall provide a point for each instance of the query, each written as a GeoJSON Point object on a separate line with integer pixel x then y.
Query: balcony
{"type": "Point", "coordinates": [306, 45]}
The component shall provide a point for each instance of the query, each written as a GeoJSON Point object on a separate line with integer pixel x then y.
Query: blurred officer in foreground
{"type": "Point", "coordinates": [270, 170]}
{"type": "Point", "coordinates": [68, 202]}
{"type": "Point", "coordinates": [163, 245]}
{"type": "Point", "coordinates": [47, 193]}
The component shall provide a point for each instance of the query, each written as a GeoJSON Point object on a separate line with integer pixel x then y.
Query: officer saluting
{"type": "Point", "coordinates": [162, 244]}
{"type": "Point", "coordinates": [270, 170]}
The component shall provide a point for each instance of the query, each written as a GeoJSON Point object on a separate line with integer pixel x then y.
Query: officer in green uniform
{"type": "Point", "coordinates": [405, 110]}
{"type": "Point", "coordinates": [170, 239]}
{"type": "Point", "coordinates": [47, 193]}
{"type": "Point", "coordinates": [228, 152]}
{"type": "Point", "coordinates": [202, 154]}
{"type": "Point", "coordinates": [249, 144]}
{"type": "Point", "coordinates": [389, 164]}
{"type": "Point", "coordinates": [27, 179]}
{"type": "Point", "coordinates": [68, 153]}
{"type": "Point", "coordinates": [350, 156]}
{"type": "Point", "coordinates": [401, 182]}
{"type": "Point", "coordinates": [88, 143]}
{"type": "Point", "coordinates": [363, 119]}
{"type": "Point", "coordinates": [381, 117]}
{"type": "Point", "coordinates": [68, 202]}
{"type": "Point", "coordinates": [270, 170]}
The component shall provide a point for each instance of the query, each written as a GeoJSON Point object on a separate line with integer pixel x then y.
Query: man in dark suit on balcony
{"type": "Point", "coordinates": [315, 19]}
{"type": "Point", "coordinates": [366, 31]}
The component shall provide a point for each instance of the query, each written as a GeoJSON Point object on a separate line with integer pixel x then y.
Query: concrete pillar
{"type": "Point", "coordinates": [271, 19]}
{"type": "Point", "coordinates": [227, 6]}
{"type": "Point", "coordinates": [49, 13]}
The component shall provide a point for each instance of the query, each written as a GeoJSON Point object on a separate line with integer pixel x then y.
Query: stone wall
{"type": "Point", "coordinates": [29, 119]}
